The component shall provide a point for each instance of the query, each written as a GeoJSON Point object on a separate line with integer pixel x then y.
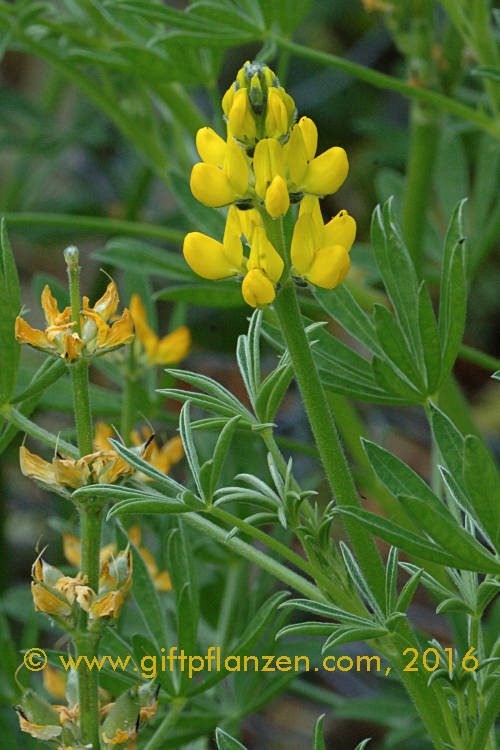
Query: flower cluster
{"type": "Point", "coordinates": [59, 725]}
{"type": "Point", "coordinates": [63, 596]}
{"type": "Point", "coordinates": [93, 334]}
{"type": "Point", "coordinates": [265, 167]}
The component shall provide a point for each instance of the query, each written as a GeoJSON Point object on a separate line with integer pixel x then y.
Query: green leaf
{"type": "Point", "coordinates": [218, 294]}
{"type": "Point", "coordinates": [408, 591]}
{"type": "Point", "coordinates": [395, 347]}
{"type": "Point", "coordinates": [146, 596]}
{"type": "Point", "coordinates": [443, 529]}
{"type": "Point", "coordinates": [340, 305]}
{"type": "Point", "coordinates": [400, 537]}
{"type": "Point", "coordinates": [10, 307]}
{"type": "Point", "coordinates": [329, 611]}
{"type": "Point", "coordinates": [183, 574]}
{"type": "Point", "coordinates": [452, 298]}
{"type": "Point", "coordinates": [359, 580]}
{"type": "Point", "coordinates": [219, 400]}
{"type": "Point", "coordinates": [347, 634]}
{"type": "Point", "coordinates": [133, 506]}
{"type": "Point", "coordinates": [48, 374]}
{"type": "Point", "coordinates": [248, 356]}
{"type": "Point", "coordinates": [397, 271]}
{"type": "Point", "coordinates": [189, 446]}
{"type": "Point", "coordinates": [429, 336]}
{"type": "Point", "coordinates": [163, 480]}
{"type": "Point", "coordinates": [483, 485]}
{"type": "Point", "coordinates": [226, 742]}
{"type": "Point", "coordinates": [141, 257]}
{"type": "Point", "coordinates": [220, 453]}
{"type": "Point", "coordinates": [388, 379]}
{"type": "Point", "coordinates": [391, 579]}
{"type": "Point", "coordinates": [451, 171]}
{"type": "Point", "coordinates": [396, 475]}
{"type": "Point", "coordinates": [272, 391]}
{"type": "Point", "coordinates": [487, 72]}
{"type": "Point", "coordinates": [318, 741]}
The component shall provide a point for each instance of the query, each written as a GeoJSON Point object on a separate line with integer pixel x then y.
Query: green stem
{"type": "Point", "coordinates": [266, 539]}
{"type": "Point", "coordinates": [487, 720]}
{"type": "Point", "coordinates": [157, 740]}
{"type": "Point", "coordinates": [325, 433]}
{"type": "Point", "coordinates": [96, 224]}
{"type": "Point", "coordinates": [486, 361]}
{"type": "Point", "coordinates": [86, 643]}
{"type": "Point", "coordinates": [424, 137]}
{"type": "Point", "coordinates": [384, 81]}
{"type": "Point", "coordinates": [24, 424]}
{"type": "Point", "coordinates": [256, 556]}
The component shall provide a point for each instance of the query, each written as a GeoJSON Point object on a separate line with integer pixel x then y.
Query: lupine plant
{"type": "Point", "coordinates": [186, 519]}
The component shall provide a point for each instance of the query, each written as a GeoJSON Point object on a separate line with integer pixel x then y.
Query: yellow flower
{"type": "Point", "coordinates": [319, 252]}
{"type": "Point", "coordinates": [269, 168]}
{"type": "Point", "coordinates": [162, 458]}
{"type": "Point", "coordinates": [216, 260]}
{"type": "Point", "coordinates": [241, 120]}
{"type": "Point", "coordinates": [167, 350]}
{"type": "Point", "coordinates": [265, 267]}
{"type": "Point", "coordinates": [97, 337]}
{"type": "Point", "coordinates": [37, 717]}
{"type": "Point", "coordinates": [219, 186]}
{"type": "Point", "coordinates": [54, 682]}
{"type": "Point", "coordinates": [100, 467]}
{"type": "Point", "coordinates": [72, 550]}
{"type": "Point", "coordinates": [320, 175]}
{"type": "Point", "coordinates": [161, 579]}
{"type": "Point", "coordinates": [46, 596]}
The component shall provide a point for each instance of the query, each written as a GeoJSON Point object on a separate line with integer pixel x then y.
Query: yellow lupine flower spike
{"type": "Point", "coordinates": [167, 350]}
{"type": "Point", "coordinates": [268, 162]}
{"type": "Point", "coordinates": [97, 337]}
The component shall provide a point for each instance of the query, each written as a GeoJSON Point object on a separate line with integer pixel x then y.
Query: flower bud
{"type": "Point", "coordinates": [241, 118]}
{"type": "Point", "coordinates": [276, 121]}
{"type": "Point", "coordinates": [277, 198]}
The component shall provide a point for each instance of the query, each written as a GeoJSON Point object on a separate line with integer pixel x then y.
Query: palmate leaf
{"type": "Point", "coordinates": [348, 634]}
{"type": "Point", "coordinates": [482, 482]}
{"type": "Point", "coordinates": [142, 257]}
{"type": "Point", "coordinates": [218, 294]}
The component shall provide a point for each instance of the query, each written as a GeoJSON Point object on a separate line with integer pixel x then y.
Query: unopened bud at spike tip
{"type": "Point", "coordinates": [71, 256]}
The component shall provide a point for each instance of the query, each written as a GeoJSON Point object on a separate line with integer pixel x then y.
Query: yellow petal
{"type": "Point", "coordinates": [277, 198]}
{"type": "Point", "coordinates": [163, 582]}
{"type": "Point", "coordinates": [174, 347]}
{"type": "Point", "coordinates": [341, 230]}
{"type": "Point", "coordinates": [211, 186]}
{"type": "Point", "coordinates": [135, 534]}
{"type": "Point", "coordinates": [25, 334]}
{"type": "Point", "coordinates": [268, 161]}
{"type": "Point", "coordinates": [264, 256]}
{"type": "Point", "coordinates": [174, 449]}
{"type": "Point", "coordinates": [102, 433]}
{"type": "Point", "coordinates": [227, 99]}
{"type": "Point", "coordinates": [211, 147]}
{"type": "Point", "coordinates": [38, 731]}
{"type": "Point", "coordinates": [45, 601]}
{"type": "Point", "coordinates": [241, 118]}
{"type": "Point", "coordinates": [49, 305]}
{"type": "Point", "coordinates": [248, 221]}
{"type": "Point", "coordinates": [34, 467]}
{"type": "Point", "coordinates": [310, 135]}
{"type": "Point", "coordinates": [84, 596]}
{"type": "Point", "coordinates": [303, 244]}
{"type": "Point", "coordinates": [70, 473]}
{"type": "Point", "coordinates": [208, 258]}
{"type": "Point", "coordinates": [54, 682]}
{"type": "Point", "coordinates": [276, 121]}
{"type": "Point", "coordinates": [296, 156]}
{"type": "Point", "coordinates": [72, 347]}
{"type": "Point", "coordinates": [108, 605]}
{"type": "Point", "coordinates": [72, 549]}
{"type": "Point", "coordinates": [236, 168]}
{"type": "Point", "coordinates": [257, 289]}
{"type": "Point", "coordinates": [143, 332]}
{"type": "Point", "coordinates": [121, 332]}
{"type": "Point", "coordinates": [107, 305]}
{"type": "Point", "coordinates": [330, 266]}
{"type": "Point", "coordinates": [326, 172]}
